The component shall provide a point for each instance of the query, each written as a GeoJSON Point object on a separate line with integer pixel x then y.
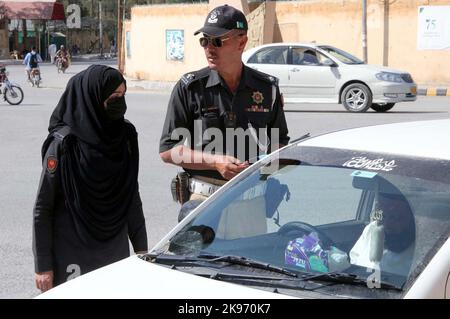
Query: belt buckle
{"type": "Point", "coordinates": [201, 187]}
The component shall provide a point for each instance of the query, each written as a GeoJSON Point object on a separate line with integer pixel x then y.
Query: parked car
{"type": "Point", "coordinates": [358, 213]}
{"type": "Point", "coordinates": [323, 74]}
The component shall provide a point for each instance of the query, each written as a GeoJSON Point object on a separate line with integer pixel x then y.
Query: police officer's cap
{"type": "Point", "coordinates": [222, 20]}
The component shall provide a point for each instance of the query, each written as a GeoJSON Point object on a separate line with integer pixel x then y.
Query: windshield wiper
{"type": "Point", "coordinates": [205, 259]}
{"type": "Point", "coordinates": [346, 278]}
{"type": "Point", "coordinates": [200, 260]}
{"type": "Point", "coordinates": [244, 261]}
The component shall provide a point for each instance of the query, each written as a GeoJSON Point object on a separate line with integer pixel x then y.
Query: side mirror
{"type": "Point", "coordinates": [328, 62]}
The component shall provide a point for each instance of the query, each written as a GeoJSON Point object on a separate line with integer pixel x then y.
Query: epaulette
{"type": "Point", "coordinates": [188, 78]}
{"type": "Point", "coordinates": [57, 136]}
{"type": "Point", "coordinates": [61, 133]}
{"type": "Point", "coordinates": [265, 77]}
{"type": "Point", "coordinates": [191, 77]}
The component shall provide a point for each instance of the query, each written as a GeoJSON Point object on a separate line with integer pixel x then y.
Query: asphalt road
{"type": "Point", "coordinates": [23, 128]}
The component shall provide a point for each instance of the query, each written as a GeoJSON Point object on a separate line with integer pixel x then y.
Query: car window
{"type": "Point", "coordinates": [354, 208]}
{"type": "Point", "coordinates": [307, 56]}
{"type": "Point", "coordinates": [341, 55]}
{"type": "Point", "coordinates": [271, 55]}
{"type": "Point", "coordinates": [312, 201]}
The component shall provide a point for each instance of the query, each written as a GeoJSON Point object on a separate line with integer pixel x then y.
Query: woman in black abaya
{"type": "Point", "coordinates": [88, 203]}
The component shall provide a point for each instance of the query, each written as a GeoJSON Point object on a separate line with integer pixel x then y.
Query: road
{"type": "Point", "coordinates": [23, 129]}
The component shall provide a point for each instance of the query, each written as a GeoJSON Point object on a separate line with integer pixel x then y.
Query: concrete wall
{"type": "Point", "coordinates": [391, 27]}
{"type": "Point", "coordinates": [148, 41]}
{"type": "Point", "coordinates": [391, 33]}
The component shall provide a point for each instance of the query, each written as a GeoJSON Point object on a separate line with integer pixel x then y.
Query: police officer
{"type": "Point", "coordinates": [208, 106]}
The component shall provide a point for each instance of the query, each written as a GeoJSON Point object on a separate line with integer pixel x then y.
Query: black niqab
{"type": "Point", "coordinates": [100, 157]}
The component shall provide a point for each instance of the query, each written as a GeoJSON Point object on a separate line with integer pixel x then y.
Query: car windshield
{"type": "Point", "coordinates": [341, 55]}
{"type": "Point", "coordinates": [318, 210]}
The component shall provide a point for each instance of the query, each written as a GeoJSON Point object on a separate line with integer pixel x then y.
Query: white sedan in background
{"type": "Point", "coordinates": [359, 213]}
{"type": "Point", "coordinates": [311, 73]}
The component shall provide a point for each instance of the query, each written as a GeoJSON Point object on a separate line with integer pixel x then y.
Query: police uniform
{"type": "Point", "coordinates": [204, 96]}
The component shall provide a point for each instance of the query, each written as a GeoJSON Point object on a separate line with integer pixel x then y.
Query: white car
{"type": "Point", "coordinates": [311, 73]}
{"type": "Point", "coordinates": [359, 213]}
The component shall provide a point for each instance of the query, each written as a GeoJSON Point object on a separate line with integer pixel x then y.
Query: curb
{"type": "Point", "coordinates": [433, 91]}
{"type": "Point", "coordinates": [11, 62]}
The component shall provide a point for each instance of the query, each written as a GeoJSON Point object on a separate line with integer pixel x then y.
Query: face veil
{"type": "Point", "coordinates": [100, 156]}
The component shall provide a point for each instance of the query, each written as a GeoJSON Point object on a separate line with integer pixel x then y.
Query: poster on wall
{"type": "Point", "coordinates": [433, 28]}
{"type": "Point", "coordinates": [175, 45]}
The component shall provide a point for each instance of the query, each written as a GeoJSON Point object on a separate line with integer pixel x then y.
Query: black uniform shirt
{"type": "Point", "coordinates": [201, 100]}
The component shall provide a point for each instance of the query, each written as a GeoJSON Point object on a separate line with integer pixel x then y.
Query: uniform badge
{"type": "Point", "coordinates": [257, 97]}
{"type": "Point", "coordinates": [52, 164]}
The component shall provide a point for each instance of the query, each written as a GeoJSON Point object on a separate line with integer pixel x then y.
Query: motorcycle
{"type": "Point", "coordinates": [12, 93]}
{"type": "Point", "coordinates": [35, 77]}
{"type": "Point", "coordinates": [62, 64]}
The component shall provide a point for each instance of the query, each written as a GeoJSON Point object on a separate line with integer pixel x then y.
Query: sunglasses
{"type": "Point", "coordinates": [216, 42]}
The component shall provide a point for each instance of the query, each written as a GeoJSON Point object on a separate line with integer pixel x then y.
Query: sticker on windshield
{"type": "Point", "coordinates": [364, 174]}
{"type": "Point", "coordinates": [379, 164]}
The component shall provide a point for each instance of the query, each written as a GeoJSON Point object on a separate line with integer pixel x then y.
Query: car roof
{"type": "Point", "coordinates": [427, 139]}
{"type": "Point", "coordinates": [306, 44]}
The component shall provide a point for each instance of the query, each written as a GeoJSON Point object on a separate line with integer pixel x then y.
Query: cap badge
{"type": "Point", "coordinates": [213, 17]}
{"type": "Point", "coordinates": [239, 25]}
{"type": "Point", "coordinates": [257, 97]}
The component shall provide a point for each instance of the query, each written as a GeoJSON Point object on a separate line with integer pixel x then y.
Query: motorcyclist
{"type": "Point", "coordinates": [64, 56]}
{"type": "Point", "coordinates": [31, 62]}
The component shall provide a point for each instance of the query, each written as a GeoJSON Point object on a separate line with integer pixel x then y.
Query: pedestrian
{"type": "Point", "coordinates": [52, 52]}
{"type": "Point", "coordinates": [112, 49]}
{"type": "Point", "coordinates": [225, 95]}
{"type": "Point", "coordinates": [88, 203]}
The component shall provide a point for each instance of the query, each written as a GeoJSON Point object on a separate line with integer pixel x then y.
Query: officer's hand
{"type": "Point", "coordinates": [44, 280]}
{"type": "Point", "coordinates": [229, 166]}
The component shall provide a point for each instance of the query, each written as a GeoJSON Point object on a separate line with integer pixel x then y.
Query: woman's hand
{"type": "Point", "coordinates": [44, 280]}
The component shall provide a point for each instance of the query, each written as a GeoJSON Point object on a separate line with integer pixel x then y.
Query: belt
{"type": "Point", "coordinates": [201, 187]}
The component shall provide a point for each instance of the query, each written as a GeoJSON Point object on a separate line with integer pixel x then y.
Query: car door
{"type": "Point", "coordinates": [272, 60]}
{"type": "Point", "coordinates": [309, 79]}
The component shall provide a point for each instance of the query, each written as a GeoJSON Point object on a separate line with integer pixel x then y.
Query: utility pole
{"type": "Point", "coordinates": [364, 29]}
{"type": "Point", "coordinates": [120, 48]}
{"type": "Point", "coordinates": [100, 27]}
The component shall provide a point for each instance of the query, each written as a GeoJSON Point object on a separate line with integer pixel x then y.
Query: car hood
{"type": "Point", "coordinates": [377, 68]}
{"type": "Point", "coordinates": [135, 278]}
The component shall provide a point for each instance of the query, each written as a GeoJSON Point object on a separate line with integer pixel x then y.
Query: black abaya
{"type": "Point", "coordinates": [88, 202]}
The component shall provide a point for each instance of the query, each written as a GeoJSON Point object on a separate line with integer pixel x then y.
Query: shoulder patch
{"type": "Point", "coordinates": [52, 164]}
{"type": "Point", "coordinates": [187, 78]}
{"type": "Point", "coordinates": [190, 77]}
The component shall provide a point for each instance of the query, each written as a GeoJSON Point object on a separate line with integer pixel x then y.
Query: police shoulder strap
{"type": "Point", "coordinates": [62, 133]}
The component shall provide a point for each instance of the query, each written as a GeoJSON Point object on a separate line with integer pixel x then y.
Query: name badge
{"type": "Point", "coordinates": [258, 109]}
